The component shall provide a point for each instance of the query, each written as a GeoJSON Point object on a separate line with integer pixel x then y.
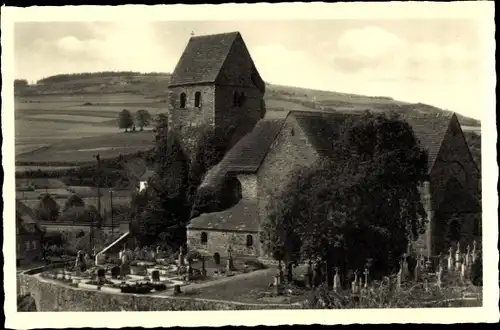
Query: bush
{"type": "Point", "coordinates": [192, 255]}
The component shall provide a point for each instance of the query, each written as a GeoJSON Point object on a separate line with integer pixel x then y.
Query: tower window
{"type": "Point", "coordinates": [183, 100]}
{"type": "Point", "coordinates": [249, 240]}
{"type": "Point", "coordinates": [235, 99]}
{"type": "Point", "coordinates": [204, 238]}
{"type": "Point", "coordinates": [242, 99]}
{"type": "Point", "coordinates": [197, 99]}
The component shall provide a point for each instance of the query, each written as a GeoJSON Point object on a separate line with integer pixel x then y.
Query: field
{"type": "Point", "coordinates": [72, 120]}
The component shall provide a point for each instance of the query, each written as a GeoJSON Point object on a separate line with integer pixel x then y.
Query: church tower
{"type": "Point", "coordinates": [215, 86]}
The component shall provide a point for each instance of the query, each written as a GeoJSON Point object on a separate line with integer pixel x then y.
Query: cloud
{"type": "Point", "coordinates": [368, 42]}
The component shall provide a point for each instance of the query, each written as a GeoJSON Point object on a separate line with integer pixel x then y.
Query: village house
{"type": "Point", "coordinates": [28, 235]}
{"type": "Point", "coordinates": [216, 85]}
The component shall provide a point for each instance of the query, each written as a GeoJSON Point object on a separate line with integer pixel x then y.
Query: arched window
{"type": "Point", "coordinates": [242, 99]}
{"type": "Point", "coordinates": [183, 100]}
{"type": "Point", "coordinates": [236, 97]}
{"type": "Point", "coordinates": [249, 240]}
{"type": "Point", "coordinates": [204, 238]}
{"type": "Point", "coordinates": [197, 99]}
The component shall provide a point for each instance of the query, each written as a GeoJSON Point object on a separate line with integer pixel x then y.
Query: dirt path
{"type": "Point", "coordinates": [196, 286]}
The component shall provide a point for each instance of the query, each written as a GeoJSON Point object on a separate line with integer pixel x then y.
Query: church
{"type": "Point", "coordinates": [216, 85]}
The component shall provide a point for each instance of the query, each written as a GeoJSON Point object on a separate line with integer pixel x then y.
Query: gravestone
{"type": "Point", "coordinates": [181, 261]}
{"type": "Point", "coordinates": [354, 284]}
{"type": "Point", "coordinates": [336, 280]}
{"type": "Point", "coordinates": [400, 274]}
{"type": "Point", "coordinates": [440, 277]}
{"type": "Point", "coordinates": [124, 270]}
{"type": "Point", "coordinates": [317, 275]}
{"type": "Point", "coordinates": [416, 271]}
{"type": "Point", "coordinates": [217, 258]}
{"type": "Point", "coordinates": [450, 259]}
{"type": "Point", "coordinates": [280, 273]}
{"type": "Point", "coordinates": [177, 289]}
{"type": "Point", "coordinates": [155, 275]}
{"type": "Point", "coordinates": [115, 272]}
{"type": "Point", "coordinates": [289, 272]}
{"type": "Point", "coordinates": [101, 275]}
{"type": "Point", "coordinates": [366, 273]}
{"type": "Point", "coordinates": [203, 269]}
{"type": "Point", "coordinates": [230, 264]}
{"type": "Point", "coordinates": [467, 256]}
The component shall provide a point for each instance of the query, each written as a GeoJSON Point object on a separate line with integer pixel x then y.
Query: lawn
{"type": "Point", "coordinates": [84, 150]}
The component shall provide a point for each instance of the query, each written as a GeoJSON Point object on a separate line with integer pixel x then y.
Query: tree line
{"type": "Point", "coordinates": [69, 76]}
{"type": "Point", "coordinates": [127, 121]}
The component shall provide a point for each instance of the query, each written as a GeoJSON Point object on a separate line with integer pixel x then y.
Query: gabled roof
{"type": "Point", "coordinates": [148, 174]}
{"type": "Point", "coordinates": [24, 212]}
{"type": "Point", "coordinates": [248, 153]}
{"type": "Point", "coordinates": [430, 130]}
{"type": "Point", "coordinates": [241, 217]}
{"type": "Point", "coordinates": [321, 128]}
{"type": "Point", "coordinates": [202, 59]}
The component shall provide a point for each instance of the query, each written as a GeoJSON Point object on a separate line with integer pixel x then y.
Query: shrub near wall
{"type": "Point", "coordinates": [58, 297]}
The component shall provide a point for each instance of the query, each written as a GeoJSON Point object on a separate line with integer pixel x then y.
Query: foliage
{"type": "Point", "coordinates": [376, 169]}
{"type": "Point", "coordinates": [383, 294]}
{"type": "Point", "coordinates": [73, 201]}
{"type": "Point", "coordinates": [143, 119]}
{"type": "Point", "coordinates": [162, 208]}
{"type": "Point", "coordinates": [82, 214]}
{"type": "Point", "coordinates": [47, 208]}
{"type": "Point", "coordinates": [20, 83]}
{"type": "Point", "coordinates": [125, 120]}
{"type": "Point", "coordinates": [193, 254]}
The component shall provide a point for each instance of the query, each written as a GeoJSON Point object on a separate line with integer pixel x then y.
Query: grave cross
{"type": "Point", "coordinates": [366, 273]}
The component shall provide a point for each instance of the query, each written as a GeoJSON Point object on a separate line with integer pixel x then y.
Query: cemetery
{"type": "Point", "coordinates": [452, 280]}
{"type": "Point", "coordinates": [148, 270]}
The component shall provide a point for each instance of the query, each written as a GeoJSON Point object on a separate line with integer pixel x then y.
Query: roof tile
{"type": "Point", "coordinates": [202, 59]}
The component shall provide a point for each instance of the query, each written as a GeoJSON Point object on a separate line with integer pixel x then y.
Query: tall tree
{"type": "Point", "coordinates": [375, 205]}
{"type": "Point", "coordinates": [73, 201]}
{"type": "Point", "coordinates": [125, 120]}
{"type": "Point", "coordinates": [143, 119]}
{"type": "Point", "coordinates": [47, 208]}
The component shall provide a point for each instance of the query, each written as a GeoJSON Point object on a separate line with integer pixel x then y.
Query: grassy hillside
{"type": "Point", "coordinates": [70, 118]}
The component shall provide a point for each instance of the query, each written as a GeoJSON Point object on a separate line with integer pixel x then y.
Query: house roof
{"type": "Point", "coordinates": [430, 130]}
{"type": "Point", "coordinates": [24, 212]}
{"type": "Point", "coordinates": [148, 174]}
{"type": "Point", "coordinates": [202, 59]}
{"type": "Point", "coordinates": [322, 129]}
{"type": "Point", "coordinates": [136, 167]}
{"type": "Point", "coordinates": [248, 153]}
{"type": "Point", "coordinates": [241, 217]}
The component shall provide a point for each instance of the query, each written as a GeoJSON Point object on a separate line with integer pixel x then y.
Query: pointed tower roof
{"type": "Point", "coordinates": [203, 58]}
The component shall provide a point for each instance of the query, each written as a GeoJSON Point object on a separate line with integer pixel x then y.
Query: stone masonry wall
{"type": "Point", "coordinates": [54, 297]}
{"type": "Point", "coordinates": [189, 120]}
{"type": "Point", "coordinates": [290, 150]}
{"type": "Point", "coordinates": [454, 161]}
{"type": "Point", "coordinates": [248, 186]}
{"type": "Point", "coordinates": [217, 241]}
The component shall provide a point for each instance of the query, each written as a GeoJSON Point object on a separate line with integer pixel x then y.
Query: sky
{"type": "Point", "coordinates": [433, 61]}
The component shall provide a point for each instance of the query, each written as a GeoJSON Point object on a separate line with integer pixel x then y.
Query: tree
{"type": "Point", "coordinates": [73, 201]}
{"type": "Point", "coordinates": [125, 120]}
{"type": "Point", "coordinates": [375, 168]}
{"type": "Point", "coordinates": [143, 119]}
{"type": "Point", "coordinates": [47, 208]}
{"type": "Point", "coordinates": [20, 83]}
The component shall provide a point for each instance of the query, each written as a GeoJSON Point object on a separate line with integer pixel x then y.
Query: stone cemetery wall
{"type": "Point", "coordinates": [53, 297]}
